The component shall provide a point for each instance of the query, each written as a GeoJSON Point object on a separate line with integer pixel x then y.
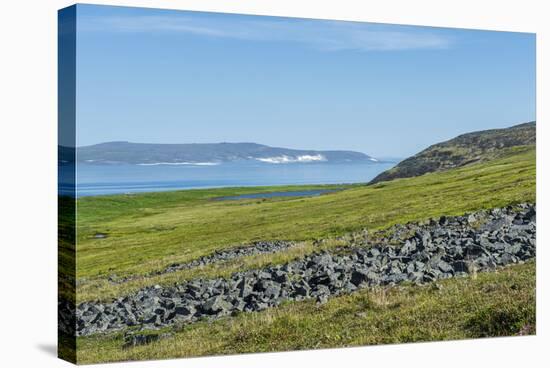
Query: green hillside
{"type": "Point", "coordinates": [147, 232]}
{"type": "Point", "coordinates": [463, 150]}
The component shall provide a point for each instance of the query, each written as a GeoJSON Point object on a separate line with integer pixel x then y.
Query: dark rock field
{"type": "Point", "coordinates": [415, 253]}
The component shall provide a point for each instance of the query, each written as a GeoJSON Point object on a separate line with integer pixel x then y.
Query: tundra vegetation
{"type": "Point", "coordinates": [128, 242]}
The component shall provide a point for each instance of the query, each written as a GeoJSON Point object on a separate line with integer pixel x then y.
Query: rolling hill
{"type": "Point", "coordinates": [463, 150]}
{"type": "Point", "coordinates": [146, 153]}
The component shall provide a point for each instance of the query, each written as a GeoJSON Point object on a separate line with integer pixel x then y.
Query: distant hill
{"type": "Point", "coordinates": [462, 150]}
{"type": "Point", "coordinates": [207, 153]}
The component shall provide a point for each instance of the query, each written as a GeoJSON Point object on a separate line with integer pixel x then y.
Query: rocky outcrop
{"type": "Point", "coordinates": [437, 249]}
{"type": "Point", "coordinates": [462, 150]}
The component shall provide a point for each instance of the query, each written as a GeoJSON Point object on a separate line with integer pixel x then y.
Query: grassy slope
{"type": "Point", "coordinates": [490, 304]}
{"type": "Point", "coordinates": [467, 148]}
{"type": "Point", "coordinates": [149, 231]}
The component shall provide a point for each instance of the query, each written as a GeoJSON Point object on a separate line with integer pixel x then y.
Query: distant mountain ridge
{"type": "Point", "coordinates": [207, 153]}
{"type": "Point", "coordinates": [463, 150]}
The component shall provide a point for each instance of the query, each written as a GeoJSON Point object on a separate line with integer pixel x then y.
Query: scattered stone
{"type": "Point", "coordinates": [414, 252]}
{"type": "Point", "coordinates": [322, 299]}
{"type": "Point", "coordinates": [262, 247]}
{"type": "Point", "coordinates": [358, 277]}
{"type": "Point", "coordinates": [216, 305]}
{"type": "Point", "coordinates": [444, 266]}
{"type": "Point", "coordinates": [229, 254]}
{"type": "Point", "coordinates": [185, 310]}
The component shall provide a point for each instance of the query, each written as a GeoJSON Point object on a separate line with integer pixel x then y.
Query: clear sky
{"type": "Point", "coordinates": [158, 76]}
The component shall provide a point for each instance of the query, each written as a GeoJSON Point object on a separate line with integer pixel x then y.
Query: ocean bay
{"type": "Point", "coordinates": [103, 179]}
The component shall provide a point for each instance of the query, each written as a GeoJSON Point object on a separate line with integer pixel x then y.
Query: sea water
{"type": "Point", "coordinates": [95, 179]}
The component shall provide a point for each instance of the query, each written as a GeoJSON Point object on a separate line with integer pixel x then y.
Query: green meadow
{"type": "Point", "coordinates": [486, 305]}
{"type": "Point", "coordinates": [147, 232]}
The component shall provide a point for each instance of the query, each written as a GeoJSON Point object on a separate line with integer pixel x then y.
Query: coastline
{"type": "Point", "coordinates": [93, 180]}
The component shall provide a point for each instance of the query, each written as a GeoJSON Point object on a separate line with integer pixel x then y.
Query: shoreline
{"type": "Point", "coordinates": [94, 180]}
{"type": "Point", "coordinates": [248, 189]}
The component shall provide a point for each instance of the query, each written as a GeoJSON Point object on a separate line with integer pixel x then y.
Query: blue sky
{"type": "Point", "coordinates": [160, 76]}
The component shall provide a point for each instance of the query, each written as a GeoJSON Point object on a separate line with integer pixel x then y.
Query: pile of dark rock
{"type": "Point", "coordinates": [66, 317]}
{"type": "Point", "coordinates": [436, 249]}
{"type": "Point", "coordinates": [260, 247]}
